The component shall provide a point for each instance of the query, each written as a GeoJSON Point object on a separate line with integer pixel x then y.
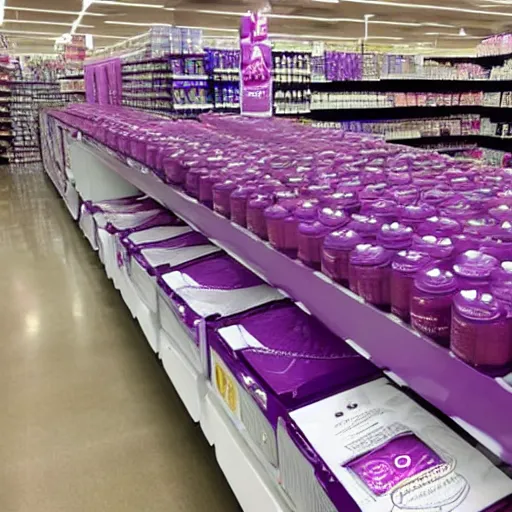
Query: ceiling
{"type": "Point", "coordinates": [33, 26]}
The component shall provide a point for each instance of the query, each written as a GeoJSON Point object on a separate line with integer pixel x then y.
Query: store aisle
{"type": "Point", "coordinates": [88, 420]}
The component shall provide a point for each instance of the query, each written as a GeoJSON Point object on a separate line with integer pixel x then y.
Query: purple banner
{"type": "Point", "coordinates": [256, 66]}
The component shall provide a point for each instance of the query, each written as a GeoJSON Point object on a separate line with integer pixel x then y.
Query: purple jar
{"type": "Point", "coordinates": [439, 226]}
{"type": "Point", "coordinates": [414, 215]}
{"type": "Point", "coordinates": [384, 210]}
{"type": "Point", "coordinates": [256, 222]}
{"type": "Point", "coordinates": [481, 332]}
{"type": "Point", "coordinates": [365, 226]}
{"type": "Point", "coordinates": [193, 179]}
{"type": "Point", "coordinates": [395, 236]}
{"type": "Point", "coordinates": [333, 218]}
{"type": "Point", "coordinates": [206, 183]}
{"type": "Point", "coordinates": [282, 228]}
{"type": "Point", "coordinates": [501, 285]}
{"type": "Point", "coordinates": [438, 248]}
{"type": "Point", "coordinates": [336, 254]}
{"type": "Point", "coordinates": [306, 211]}
{"type": "Point", "coordinates": [404, 268]}
{"type": "Point", "coordinates": [473, 269]}
{"type": "Point", "coordinates": [347, 200]}
{"type": "Point", "coordinates": [431, 303]}
{"type": "Point", "coordinates": [238, 203]}
{"type": "Point", "coordinates": [310, 239]}
{"type": "Point", "coordinates": [221, 197]}
{"type": "Point", "coordinates": [370, 274]}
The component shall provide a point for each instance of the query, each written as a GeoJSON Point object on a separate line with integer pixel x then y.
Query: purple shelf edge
{"type": "Point", "coordinates": [479, 403]}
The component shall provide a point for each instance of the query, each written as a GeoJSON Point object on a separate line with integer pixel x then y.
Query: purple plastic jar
{"type": "Point", "coordinates": [333, 218]}
{"type": "Point", "coordinates": [501, 285]}
{"type": "Point", "coordinates": [481, 332]}
{"type": "Point", "coordinates": [282, 229]}
{"type": "Point", "coordinates": [365, 226]}
{"type": "Point", "coordinates": [431, 303]}
{"type": "Point", "coordinates": [395, 236]}
{"type": "Point", "coordinates": [336, 254]}
{"type": "Point", "coordinates": [370, 274]}
{"type": "Point", "coordinates": [439, 226]}
{"type": "Point", "coordinates": [473, 269]}
{"type": "Point", "coordinates": [438, 248]}
{"type": "Point", "coordinates": [193, 179]}
{"type": "Point", "coordinates": [310, 240]}
{"type": "Point", "coordinates": [238, 203]}
{"type": "Point", "coordinates": [256, 222]}
{"type": "Point", "coordinates": [221, 197]}
{"type": "Point", "coordinates": [347, 200]}
{"type": "Point", "coordinates": [206, 183]}
{"type": "Point", "coordinates": [404, 268]}
{"type": "Point", "coordinates": [414, 215]}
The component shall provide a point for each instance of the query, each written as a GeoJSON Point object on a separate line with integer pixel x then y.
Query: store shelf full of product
{"type": "Point", "coordinates": [479, 403]}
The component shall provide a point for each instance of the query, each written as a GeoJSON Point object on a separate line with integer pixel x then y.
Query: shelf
{"type": "Point", "coordinates": [478, 403]}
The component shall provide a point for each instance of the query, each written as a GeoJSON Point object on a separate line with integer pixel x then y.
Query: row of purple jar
{"type": "Point", "coordinates": [393, 224]}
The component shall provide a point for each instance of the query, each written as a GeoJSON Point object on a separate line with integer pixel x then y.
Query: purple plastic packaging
{"type": "Point", "coordinates": [256, 222]}
{"type": "Point", "coordinates": [238, 203]}
{"type": "Point", "coordinates": [439, 226]}
{"type": "Point", "coordinates": [395, 236]}
{"type": "Point", "coordinates": [431, 303]}
{"type": "Point", "coordinates": [193, 180]}
{"type": "Point", "coordinates": [439, 248]}
{"type": "Point", "coordinates": [365, 226]}
{"type": "Point", "coordinates": [404, 268]}
{"type": "Point", "coordinates": [370, 274]}
{"type": "Point", "coordinates": [336, 254]}
{"type": "Point", "coordinates": [379, 470]}
{"type": "Point", "coordinates": [221, 197]}
{"type": "Point", "coordinates": [473, 269]}
{"type": "Point", "coordinates": [481, 333]}
{"type": "Point", "coordinates": [206, 184]}
{"type": "Point", "coordinates": [414, 215]}
{"type": "Point", "coordinates": [310, 239]}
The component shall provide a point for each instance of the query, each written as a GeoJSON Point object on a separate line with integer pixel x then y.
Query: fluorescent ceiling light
{"type": "Point", "coordinates": [128, 4]}
{"type": "Point", "coordinates": [30, 32]}
{"type": "Point", "coordinates": [45, 23]}
{"type": "Point", "coordinates": [325, 38]}
{"type": "Point", "coordinates": [326, 1]}
{"type": "Point", "coordinates": [210, 28]}
{"type": "Point", "coordinates": [2, 11]}
{"type": "Point", "coordinates": [138, 24]}
{"type": "Point", "coordinates": [425, 6]}
{"type": "Point", "coordinates": [102, 36]}
{"type": "Point", "coordinates": [49, 11]}
{"type": "Point", "coordinates": [440, 25]}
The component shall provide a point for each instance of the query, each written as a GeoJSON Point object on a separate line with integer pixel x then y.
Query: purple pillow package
{"type": "Point", "coordinates": [266, 363]}
{"type": "Point", "coordinates": [212, 288]}
{"type": "Point", "coordinates": [373, 449]}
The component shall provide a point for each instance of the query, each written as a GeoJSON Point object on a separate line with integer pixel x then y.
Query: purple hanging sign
{"type": "Point", "coordinates": [256, 66]}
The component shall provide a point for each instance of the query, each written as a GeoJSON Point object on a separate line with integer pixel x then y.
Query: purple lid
{"type": "Point", "coordinates": [395, 236]}
{"type": "Point", "coordinates": [465, 242]}
{"type": "Point", "coordinates": [367, 255]}
{"type": "Point", "coordinates": [366, 226]}
{"type": "Point", "coordinates": [459, 210]}
{"type": "Point", "coordinates": [475, 265]}
{"type": "Point", "coordinates": [345, 239]}
{"type": "Point", "coordinates": [333, 218]}
{"type": "Point", "coordinates": [439, 226]}
{"type": "Point", "coordinates": [306, 211]}
{"type": "Point", "coordinates": [406, 194]}
{"type": "Point", "coordinates": [435, 247]}
{"type": "Point", "coordinates": [243, 192]}
{"type": "Point", "coordinates": [260, 201]}
{"type": "Point", "coordinates": [382, 208]}
{"type": "Point", "coordinates": [479, 306]}
{"type": "Point", "coordinates": [373, 192]}
{"type": "Point", "coordinates": [502, 212]}
{"type": "Point", "coordinates": [501, 250]}
{"type": "Point", "coordinates": [437, 196]}
{"type": "Point", "coordinates": [504, 231]}
{"type": "Point", "coordinates": [343, 198]}
{"type": "Point", "coordinates": [435, 280]}
{"type": "Point", "coordinates": [501, 282]}
{"type": "Point", "coordinates": [314, 229]}
{"type": "Point", "coordinates": [399, 178]}
{"type": "Point", "coordinates": [480, 226]}
{"type": "Point", "coordinates": [276, 211]}
{"type": "Point", "coordinates": [418, 212]}
{"type": "Point", "coordinates": [226, 185]}
{"type": "Point", "coordinates": [409, 262]}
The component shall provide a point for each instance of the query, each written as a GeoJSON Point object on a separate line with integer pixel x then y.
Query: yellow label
{"type": "Point", "coordinates": [226, 386]}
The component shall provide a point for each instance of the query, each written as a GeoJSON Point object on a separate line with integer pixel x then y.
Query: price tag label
{"type": "Point", "coordinates": [225, 385]}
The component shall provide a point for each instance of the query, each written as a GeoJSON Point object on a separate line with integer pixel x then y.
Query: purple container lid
{"type": "Point", "coordinates": [367, 255]}
{"type": "Point", "coordinates": [227, 185]}
{"type": "Point", "coordinates": [498, 248]}
{"type": "Point", "coordinates": [365, 225]}
{"type": "Point", "coordinates": [418, 212]}
{"type": "Point", "coordinates": [243, 192]}
{"type": "Point", "coordinates": [333, 218]}
{"type": "Point", "coordinates": [313, 229]}
{"type": "Point", "coordinates": [435, 247]}
{"type": "Point", "coordinates": [475, 265]}
{"type": "Point", "coordinates": [276, 212]}
{"type": "Point", "coordinates": [435, 280]}
{"type": "Point", "coordinates": [437, 196]}
{"type": "Point", "coordinates": [395, 236]}
{"type": "Point", "coordinates": [480, 226]}
{"type": "Point", "coordinates": [381, 208]}
{"type": "Point", "coordinates": [440, 226]}
{"type": "Point", "coordinates": [503, 231]}
{"type": "Point", "coordinates": [306, 211]}
{"type": "Point", "coordinates": [478, 306]}
{"type": "Point", "coordinates": [502, 212]}
{"type": "Point", "coordinates": [260, 201]}
{"type": "Point", "coordinates": [373, 192]}
{"type": "Point", "coordinates": [406, 194]}
{"type": "Point", "coordinates": [297, 358]}
{"type": "Point", "coordinates": [344, 239]}
{"type": "Point", "coordinates": [343, 199]}
{"type": "Point", "coordinates": [399, 178]}
{"type": "Point", "coordinates": [410, 262]}
{"type": "Point", "coordinates": [465, 242]}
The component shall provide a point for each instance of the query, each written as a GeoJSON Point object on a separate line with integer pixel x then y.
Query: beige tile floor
{"type": "Point", "coordinates": [88, 419]}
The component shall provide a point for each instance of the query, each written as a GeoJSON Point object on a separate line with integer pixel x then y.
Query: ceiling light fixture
{"type": "Point", "coordinates": [30, 32]}
{"type": "Point", "coordinates": [2, 11]}
{"type": "Point", "coordinates": [426, 6]}
{"type": "Point", "coordinates": [102, 36]}
{"type": "Point", "coordinates": [326, 1]}
{"type": "Point", "coordinates": [45, 23]}
{"type": "Point", "coordinates": [49, 11]}
{"type": "Point", "coordinates": [462, 32]}
{"type": "Point", "coordinates": [128, 4]}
